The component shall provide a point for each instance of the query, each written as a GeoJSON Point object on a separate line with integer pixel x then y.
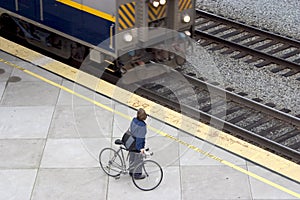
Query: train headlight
{"type": "Point", "coordinates": [186, 18]}
{"type": "Point", "coordinates": [127, 37]}
{"type": "Point", "coordinates": [188, 33]}
{"type": "Point", "coordinates": [162, 2]}
{"type": "Point", "coordinates": [155, 3]}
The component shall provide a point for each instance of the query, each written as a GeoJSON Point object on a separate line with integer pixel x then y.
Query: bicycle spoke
{"type": "Point", "coordinates": [115, 164]}
{"type": "Point", "coordinates": [153, 173]}
{"type": "Point", "coordinates": [111, 162]}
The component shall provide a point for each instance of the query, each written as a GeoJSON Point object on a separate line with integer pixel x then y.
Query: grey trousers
{"type": "Point", "coordinates": [134, 160]}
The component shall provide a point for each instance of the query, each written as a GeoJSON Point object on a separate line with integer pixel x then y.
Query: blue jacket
{"type": "Point", "coordinates": [138, 130]}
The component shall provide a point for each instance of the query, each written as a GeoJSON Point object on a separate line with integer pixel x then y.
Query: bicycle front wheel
{"type": "Point", "coordinates": [111, 162]}
{"type": "Point", "coordinates": [153, 175]}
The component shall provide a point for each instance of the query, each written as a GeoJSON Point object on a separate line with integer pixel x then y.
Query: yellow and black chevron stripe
{"type": "Point", "coordinates": [185, 4]}
{"type": "Point", "coordinates": [156, 13]}
{"type": "Point", "coordinates": [126, 16]}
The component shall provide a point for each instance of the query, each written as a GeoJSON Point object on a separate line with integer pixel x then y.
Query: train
{"type": "Point", "coordinates": [117, 32]}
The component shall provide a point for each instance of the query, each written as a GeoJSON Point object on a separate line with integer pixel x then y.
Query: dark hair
{"type": "Point", "coordinates": [141, 114]}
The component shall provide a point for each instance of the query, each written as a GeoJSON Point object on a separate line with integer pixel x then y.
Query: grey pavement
{"type": "Point", "coordinates": [50, 141]}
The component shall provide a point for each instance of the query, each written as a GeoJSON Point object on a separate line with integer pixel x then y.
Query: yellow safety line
{"type": "Point", "coordinates": [88, 10]}
{"type": "Point", "coordinates": [229, 164]}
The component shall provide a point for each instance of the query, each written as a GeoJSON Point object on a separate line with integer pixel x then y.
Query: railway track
{"type": "Point", "coordinates": [248, 119]}
{"type": "Point", "coordinates": [254, 45]}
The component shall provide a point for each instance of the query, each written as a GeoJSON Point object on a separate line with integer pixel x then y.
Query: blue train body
{"type": "Point", "coordinates": [103, 29]}
{"type": "Point", "coordinates": [71, 21]}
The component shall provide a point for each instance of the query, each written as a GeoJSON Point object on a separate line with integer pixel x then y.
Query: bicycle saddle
{"type": "Point", "coordinates": [118, 142]}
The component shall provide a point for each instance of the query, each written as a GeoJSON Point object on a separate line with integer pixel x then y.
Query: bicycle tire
{"type": "Point", "coordinates": [111, 162]}
{"type": "Point", "coordinates": [153, 172]}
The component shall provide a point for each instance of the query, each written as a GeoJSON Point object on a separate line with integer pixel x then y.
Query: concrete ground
{"type": "Point", "coordinates": [50, 141]}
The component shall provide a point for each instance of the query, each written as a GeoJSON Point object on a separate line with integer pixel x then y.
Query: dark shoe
{"type": "Point", "coordinates": [141, 176]}
{"type": "Point", "coordinates": [130, 173]}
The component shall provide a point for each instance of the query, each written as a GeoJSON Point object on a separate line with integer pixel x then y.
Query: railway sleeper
{"type": "Point", "coordinates": [262, 64]}
{"type": "Point", "coordinates": [267, 45]}
{"type": "Point", "coordinates": [287, 135]}
{"type": "Point", "coordinates": [290, 73]}
{"type": "Point", "coordinates": [240, 117]}
{"type": "Point", "coordinates": [234, 33]}
{"type": "Point", "coordinates": [232, 110]}
{"type": "Point", "coordinates": [271, 129]}
{"type": "Point", "coordinates": [257, 123]}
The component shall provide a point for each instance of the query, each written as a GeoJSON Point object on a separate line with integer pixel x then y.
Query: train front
{"type": "Point", "coordinates": [145, 27]}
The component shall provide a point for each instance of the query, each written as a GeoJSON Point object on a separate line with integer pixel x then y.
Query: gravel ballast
{"type": "Point", "coordinates": [282, 16]}
{"type": "Point", "coordinates": [277, 15]}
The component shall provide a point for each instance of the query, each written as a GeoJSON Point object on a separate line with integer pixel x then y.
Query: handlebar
{"type": "Point", "coordinates": [147, 153]}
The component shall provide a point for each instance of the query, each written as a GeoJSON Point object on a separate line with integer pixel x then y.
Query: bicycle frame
{"type": "Point", "coordinates": [124, 166]}
{"type": "Point", "coordinates": [124, 169]}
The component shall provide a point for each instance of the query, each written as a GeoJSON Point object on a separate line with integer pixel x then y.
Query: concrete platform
{"type": "Point", "coordinates": [50, 141]}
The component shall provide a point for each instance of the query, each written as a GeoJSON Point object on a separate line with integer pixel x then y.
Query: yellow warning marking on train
{"type": "Point", "coordinates": [156, 130]}
{"type": "Point", "coordinates": [184, 4]}
{"type": "Point", "coordinates": [151, 17]}
{"type": "Point", "coordinates": [203, 131]}
{"type": "Point", "coordinates": [125, 19]}
{"type": "Point", "coordinates": [129, 11]}
{"type": "Point", "coordinates": [126, 16]}
{"type": "Point", "coordinates": [156, 13]}
{"type": "Point", "coordinates": [122, 25]}
{"type": "Point", "coordinates": [131, 7]}
{"type": "Point", "coordinates": [88, 9]}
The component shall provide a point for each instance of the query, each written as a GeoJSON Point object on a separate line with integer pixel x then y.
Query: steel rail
{"type": "Point", "coordinates": [219, 123]}
{"type": "Point", "coordinates": [269, 58]}
{"type": "Point", "coordinates": [246, 102]}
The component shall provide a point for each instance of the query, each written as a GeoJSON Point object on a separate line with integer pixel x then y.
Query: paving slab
{"type": "Point", "coordinates": [25, 122]}
{"type": "Point", "coordinates": [9, 57]}
{"type": "Point", "coordinates": [16, 184]}
{"type": "Point", "coordinates": [72, 153]}
{"type": "Point", "coordinates": [81, 122]}
{"type": "Point", "coordinates": [94, 146]}
{"type": "Point", "coordinates": [214, 182]}
{"type": "Point", "coordinates": [63, 123]}
{"type": "Point", "coordinates": [21, 94]}
{"type": "Point", "coordinates": [93, 120]}
{"type": "Point", "coordinates": [75, 184]}
{"type": "Point", "coordinates": [192, 157]}
{"type": "Point", "coordinates": [35, 69]}
{"type": "Point", "coordinates": [21, 153]}
{"type": "Point", "coordinates": [6, 71]}
{"type": "Point", "coordinates": [61, 147]}
{"type": "Point", "coordinates": [169, 189]}
{"type": "Point", "coordinates": [165, 151]}
{"type": "Point", "coordinates": [261, 190]}
{"type": "Point", "coordinates": [2, 88]}
{"type": "Point", "coordinates": [65, 98]}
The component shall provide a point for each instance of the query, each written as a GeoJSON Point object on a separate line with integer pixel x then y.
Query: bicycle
{"type": "Point", "coordinates": [113, 164]}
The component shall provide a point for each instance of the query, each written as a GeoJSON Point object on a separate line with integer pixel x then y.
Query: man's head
{"type": "Point", "coordinates": [141, 114]}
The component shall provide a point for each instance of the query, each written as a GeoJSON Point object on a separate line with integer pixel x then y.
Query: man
{"type": "Point", "coordinates": [138, 129]}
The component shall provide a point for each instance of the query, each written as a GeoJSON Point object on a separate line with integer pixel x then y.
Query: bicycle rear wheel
{"type": "Point", "coordinates": [153, 173]}
{"type": "Point", "coordinates": [111, 162]}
